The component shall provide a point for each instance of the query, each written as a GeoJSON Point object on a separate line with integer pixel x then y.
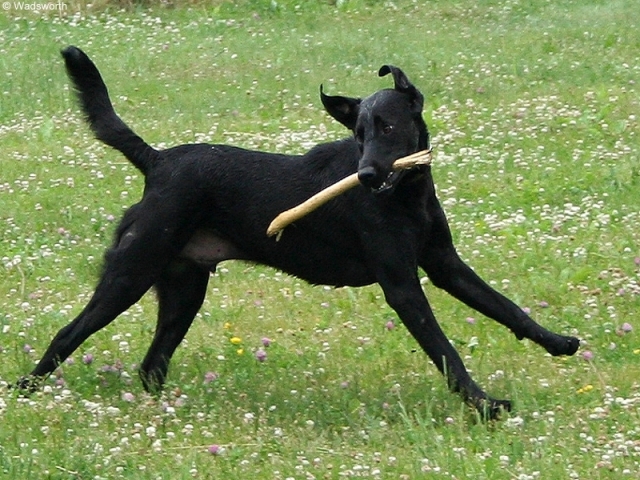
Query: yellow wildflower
{"type": "Point", "coordinates": [235, 340]}
{"type": "Point", "coordinates": [585, 389]}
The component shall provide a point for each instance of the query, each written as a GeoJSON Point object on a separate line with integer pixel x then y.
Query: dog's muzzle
{"type": "Point", "coordinates": [367, 177]}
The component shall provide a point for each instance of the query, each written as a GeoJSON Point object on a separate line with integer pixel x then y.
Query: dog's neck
{"type": "Point", "coordinates": [424, 138]}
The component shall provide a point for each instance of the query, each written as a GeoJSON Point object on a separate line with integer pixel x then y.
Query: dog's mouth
{"type": "Point", "coordinates": [390, 182]}
{"type": "Point", "coordinates": [387, 183]}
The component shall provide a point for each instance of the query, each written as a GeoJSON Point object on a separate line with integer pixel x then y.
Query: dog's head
{"type": "Point", "coordinates": [387, 125]}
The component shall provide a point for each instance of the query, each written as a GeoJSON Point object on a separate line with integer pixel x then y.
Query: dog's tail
{"type": "Point", "coordinates": [95, 103]}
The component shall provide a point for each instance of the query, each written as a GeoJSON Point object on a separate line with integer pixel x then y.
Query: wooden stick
{"type": "Point", "coordinates": [285, 218]}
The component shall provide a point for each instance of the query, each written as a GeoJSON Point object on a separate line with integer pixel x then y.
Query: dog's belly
{"type": "Point", "coordinates": [209, 249]}
{"type": "Point", "coordinates": [345, 274]}
{"type": "Point", "coordinates": [323, 264]}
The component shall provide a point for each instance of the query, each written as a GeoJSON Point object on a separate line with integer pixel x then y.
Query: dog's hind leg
{"type": "Point", "coordinates": [113, 296]}
{"type": "Point", "coordinates": [148, 238]}
{"type": "Point", "coordinates": [181, 290]}
{"type": "Point", "coordinates": [447, 271]}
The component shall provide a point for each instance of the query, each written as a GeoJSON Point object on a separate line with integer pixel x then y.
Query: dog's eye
{"type": "Point", "coordinates": [387, 129]}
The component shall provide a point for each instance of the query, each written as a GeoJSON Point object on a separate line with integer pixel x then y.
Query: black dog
{"type": "Point", "coordinates": [203, 204]}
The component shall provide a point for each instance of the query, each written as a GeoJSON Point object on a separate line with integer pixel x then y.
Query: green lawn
{"type": "Point", "coordinates": [533, 106]}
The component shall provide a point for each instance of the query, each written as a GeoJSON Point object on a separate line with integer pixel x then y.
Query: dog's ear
{"type": "Point", "coordinates": [402, 84]}
{"type": "Point", "coordinates": [343, 109]}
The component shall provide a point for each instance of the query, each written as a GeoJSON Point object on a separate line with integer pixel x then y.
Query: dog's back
{"type": "Point", "coordinates": [237, 192]}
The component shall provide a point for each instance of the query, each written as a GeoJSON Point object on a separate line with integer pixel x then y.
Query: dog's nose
{"type": "Point", "coordinates": [366, 176]}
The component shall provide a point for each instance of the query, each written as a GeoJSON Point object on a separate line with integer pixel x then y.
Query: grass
{"type": "Point", "coordinates": [533, 106]}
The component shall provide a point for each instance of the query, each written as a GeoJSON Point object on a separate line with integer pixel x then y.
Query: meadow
{"type": "Point", "coordinates": [533, 106]}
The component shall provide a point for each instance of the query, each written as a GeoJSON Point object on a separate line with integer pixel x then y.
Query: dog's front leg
{"type": "Point", "coordinates": [449, 272]}
{"type": "Point", "coordinates": [446, 270]}
{"type": "Point", "coordinates": [402, 290]}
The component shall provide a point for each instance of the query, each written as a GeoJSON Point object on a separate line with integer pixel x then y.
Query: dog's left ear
{"type": "Point", "coordinates": [343, 109]}
{"type": "Point", "coordinates": [402, 84]}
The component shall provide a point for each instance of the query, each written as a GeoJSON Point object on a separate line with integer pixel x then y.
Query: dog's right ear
{"type": "Point", "coordinates": [343, 109]}
{"type": "Point", "coordinates": [402, 84]}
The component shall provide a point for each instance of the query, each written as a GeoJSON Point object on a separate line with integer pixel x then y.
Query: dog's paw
{"type": "Point", "coordinates": [27, 385]}
{"type": "Point", "coordinates": [563, 346]}
{"type": "Point", "coordinates": [491, 408]}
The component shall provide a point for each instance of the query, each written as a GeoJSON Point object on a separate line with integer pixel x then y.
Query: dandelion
{"type": "Point", "coordinates": [261, 355]}
{"type": "Point", "coordinates": [235, 340]}
{"type": "Point", "coordinates": [226, 325]}
{"type": "Point", "coordinates": [240, 351]}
